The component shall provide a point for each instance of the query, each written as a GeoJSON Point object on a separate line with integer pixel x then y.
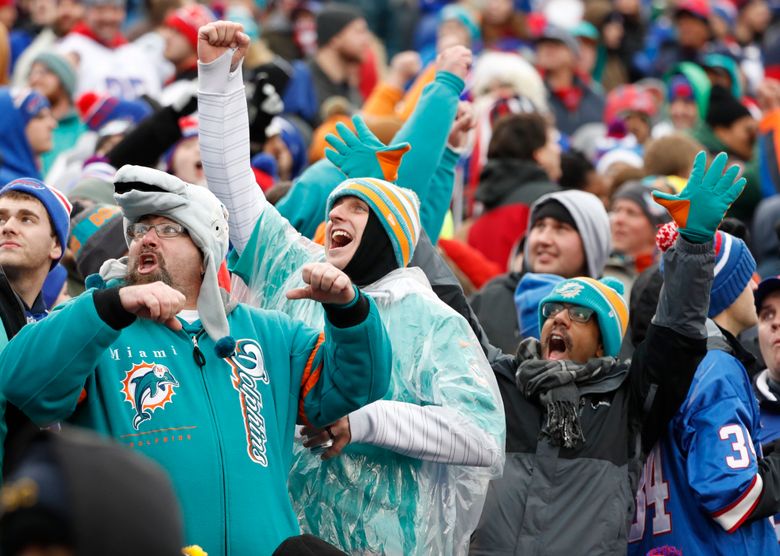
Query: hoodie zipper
{"type": "Point", "coordinates": [200, 361]}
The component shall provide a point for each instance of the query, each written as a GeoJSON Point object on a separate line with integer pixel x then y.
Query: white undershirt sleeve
{"type": "Point", "coordinates": [430, 433]}
{"type": "Point", "coordinates": [223, 132]}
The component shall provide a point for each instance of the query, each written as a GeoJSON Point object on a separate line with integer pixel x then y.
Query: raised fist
{"type": "Point", "coordinates": [156, 301]}
{"type": "Point", "coordinates": [214, 39]}
{"type": "Point", "coordinates": [455, 59]}
{"type": "Point", "coordinates": [326, 284]}
{"type": "Point", "coordinates": [403, 67]}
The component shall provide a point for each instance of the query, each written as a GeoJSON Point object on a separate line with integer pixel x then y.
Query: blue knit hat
{"type": "Point", "coordinates": [54, 201]}
{"type": "Point", "coordinates": [734, 267]}
{"type": "Point", "coordinates": [529, 292]}
{"type": "Point", "coordinates": [52, 286]}
{"type": "Point", "coordinates": [100, 109]}
{"type": "Point", "coordinates": [29, 103]}
{"type": "Point", "coordinates": [398, 210]}
{"type": "Point", "coordinates": [605, 297]}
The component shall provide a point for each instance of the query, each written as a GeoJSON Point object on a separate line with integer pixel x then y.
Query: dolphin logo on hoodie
{"type": "Point", "coordinates": [148, 387]}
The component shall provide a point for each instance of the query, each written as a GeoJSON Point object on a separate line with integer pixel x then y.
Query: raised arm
{"type": "Point", "coordinates": [429, 126]}
{"type": "Point", "coordinates": [223, 127]}
{"type": "Point", "coordinates": [664, 364]}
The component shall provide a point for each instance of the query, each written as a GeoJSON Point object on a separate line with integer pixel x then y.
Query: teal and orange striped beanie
{"type": "Point", "coordinates": [397, 208]}
{"type": "Point", "coordinates": [605, 297]}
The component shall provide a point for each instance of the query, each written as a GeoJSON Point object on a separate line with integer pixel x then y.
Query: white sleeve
{"type": "Point", "coordinates": [223, 132]}
{"type": "Point", "coordinates": [431, 433]}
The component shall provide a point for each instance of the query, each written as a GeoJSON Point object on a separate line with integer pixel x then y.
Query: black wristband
{"type": "Point", "coordinates": [109, 309]}
{"type": "Point", "coordinates": [352, 315]}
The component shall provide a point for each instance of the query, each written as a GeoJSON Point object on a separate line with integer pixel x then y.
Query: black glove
{"type": "Point", "coordinates": [264, 104]}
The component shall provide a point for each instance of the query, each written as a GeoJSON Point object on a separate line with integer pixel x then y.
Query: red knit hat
{"type": "Point", "coordinates": [188, 20]}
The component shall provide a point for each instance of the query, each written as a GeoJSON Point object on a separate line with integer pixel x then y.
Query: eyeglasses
{"type": "Point", "coordinates": [166, 230]}
{"type": "Point", "coordinates": [577, 313]}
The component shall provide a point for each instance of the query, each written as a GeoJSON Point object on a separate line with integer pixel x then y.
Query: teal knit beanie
{"type": "Point", "coordinates": [605, 297]}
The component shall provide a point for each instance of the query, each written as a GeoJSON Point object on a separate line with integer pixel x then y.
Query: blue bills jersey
{"type": "Point", "coordinates": [700, 482]}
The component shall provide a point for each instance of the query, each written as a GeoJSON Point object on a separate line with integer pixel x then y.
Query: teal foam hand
{"type": "Point", "coordinates": [362, 155]}
{"type": "Point", "coordinates": [699, 209]}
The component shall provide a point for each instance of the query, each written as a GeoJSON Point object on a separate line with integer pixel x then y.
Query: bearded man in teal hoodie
{"type": "Point", "coordinates": [157, 357]}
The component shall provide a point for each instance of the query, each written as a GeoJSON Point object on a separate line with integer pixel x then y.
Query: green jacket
{"type": "Point", "coordinates": [65, 135]}
{"type": "Point", "coordinates": [699, 81]}
{"type": "Point", "coordinates": [223, 429]}
{"type": "Point", "coordinates": [745, 205]}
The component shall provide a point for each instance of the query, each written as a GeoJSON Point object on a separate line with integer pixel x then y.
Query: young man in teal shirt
{"type": "Point", "coordinates": [209, 389]}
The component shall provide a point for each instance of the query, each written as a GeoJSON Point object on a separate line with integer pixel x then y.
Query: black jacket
{"type": "Point", "coordinates": [12, 313]}
{"type": "Point", "coordinates": [506, 181]}
{"type": "Point", "coordinates": [11, 309]}
{"type": "Point", "coordinates": [494, 306]}
{"type": "Point", "coordinates": [561, 501]}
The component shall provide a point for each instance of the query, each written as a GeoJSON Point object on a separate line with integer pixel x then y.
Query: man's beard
{"type": "Point", "coordinates": [160, 274]}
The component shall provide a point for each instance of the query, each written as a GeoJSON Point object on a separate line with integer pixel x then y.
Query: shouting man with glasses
{"type": "Point", "coordinates": [580, 422]}
{"type": "Point", "coordinates": [158, 358]}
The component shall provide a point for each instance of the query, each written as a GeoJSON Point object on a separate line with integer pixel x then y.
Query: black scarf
{"type": "Point", "coordinates": [374, 256]}
{"type": "Point", "coordinates": [555, 385]}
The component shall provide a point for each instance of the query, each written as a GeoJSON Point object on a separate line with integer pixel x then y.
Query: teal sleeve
{"type": "Point", "coordinates": [304, 205]}
{"type": "Point", "coordinates": [3, 337]}
{"type": "Point", "coordinates": [44, 367]}
{"type": "Point", "coordinates": [427, 130]}
{"type": "Point", "coordinates": [345, 369]}
{"type": "Point", "coordinates": [434, 210]}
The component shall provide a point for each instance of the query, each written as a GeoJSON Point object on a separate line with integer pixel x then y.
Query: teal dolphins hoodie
{"type": "Point", "coordinates": [222, 428]}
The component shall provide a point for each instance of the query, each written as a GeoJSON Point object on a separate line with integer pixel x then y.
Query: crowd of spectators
{"type": "Point", "coordinates": [390, 277]}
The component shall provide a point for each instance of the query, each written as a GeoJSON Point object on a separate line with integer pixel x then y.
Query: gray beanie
{"type": "Point", "coordinates": [592, 221]}
{"type": "Point", "coordinates": [641, 194]}
{"type": "Point", "coordinates": [332, 19]}
{"type": "Point", "coordinates": [61, 67]}
{"type": "Point", "coordinates": [142, 191]}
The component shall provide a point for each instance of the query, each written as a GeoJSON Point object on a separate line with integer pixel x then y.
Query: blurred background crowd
{"type": "Point", "coordinates": [612, 98]}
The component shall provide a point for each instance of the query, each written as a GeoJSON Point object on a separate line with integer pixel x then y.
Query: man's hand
{"type": "Point", "coordinates": [455, 59]}
{"type": "Point", "coordinates": [339, 432]}
{"type": "Point", "coordinates": [156, 301]}
{"type": "Point", "coordinates": [699, 209]}
{"type": "Point", "coordinates": [217, 37]}
{"type": "Point", "coordinates": [464, 122]}
{"type": "Point", "coordinates": [403, 67]}
{"type": "Point", "coordinates": [327, 284]}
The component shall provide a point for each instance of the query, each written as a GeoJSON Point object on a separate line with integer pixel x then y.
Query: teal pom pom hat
{"type": "Point", "coordinates": [143, 191]}
{"type": "Point", "coordinates": [397, 208]}
{"type": "Point", "coordinates": [605, 297]}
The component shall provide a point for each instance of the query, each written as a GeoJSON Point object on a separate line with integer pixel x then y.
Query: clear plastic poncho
{"type": "Point", "coordinates": [369, 499]}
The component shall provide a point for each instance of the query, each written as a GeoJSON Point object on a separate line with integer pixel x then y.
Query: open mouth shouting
{"type": "Point", "coordinates": [147, 263]}
{"type": "Point", "coordinates": [558, 346]}
{"type": "Point", "coordinates": [339, 239]}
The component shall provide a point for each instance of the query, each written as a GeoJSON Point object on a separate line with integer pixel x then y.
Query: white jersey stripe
{"type": "Point", "coordinates": [732, 516]}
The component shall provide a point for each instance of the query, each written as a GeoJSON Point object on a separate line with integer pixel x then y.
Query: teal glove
{"type": "Point", "coordinates": [699, 209]}
{"type": "Point", "coordinates": [363, 155]}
